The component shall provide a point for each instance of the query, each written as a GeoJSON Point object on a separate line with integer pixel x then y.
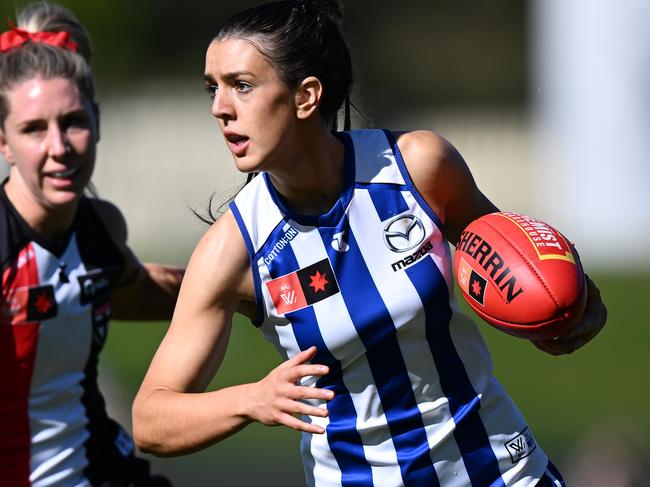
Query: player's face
{"type": "Point", "coordinates": [48, 139]}
{"type": "Point", "coordinates": [255, 109]}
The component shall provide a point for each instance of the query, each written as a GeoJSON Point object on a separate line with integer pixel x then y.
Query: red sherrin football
{"type": "Point", "coordinates": [520, 275]}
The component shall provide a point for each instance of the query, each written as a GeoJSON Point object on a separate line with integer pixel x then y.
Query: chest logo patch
{"type": "Point", "coordinates": [339, 242]}
{"type": "Point", "coordinates": [521, 445]}
{"type": "Point", "coordinates": [41, 303]}
{"type": "Point", "coordinates": [403, 233]}
{"type": "Point", "coordinates": [303, 287]}
{"type": "Point", "coordinates": [94, 286]}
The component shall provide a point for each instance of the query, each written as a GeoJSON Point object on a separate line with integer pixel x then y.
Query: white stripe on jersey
{"type": "Point", "coordinates": [55, 398]}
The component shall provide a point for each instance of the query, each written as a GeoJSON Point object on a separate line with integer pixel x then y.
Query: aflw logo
{"type": "Point", "coordinates": [288, 296]}
{"type": "Point", "coordinates": [521, 445]}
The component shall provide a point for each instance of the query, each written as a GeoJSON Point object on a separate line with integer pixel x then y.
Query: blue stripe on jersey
{"type": "Point", "coordinates": [342, 434]}
{"type": "Point", "coordinates": [407, 177]}
{"type": "Point", "coordinates": [473, 441]}
{"type": "Point", "coordinates": [378, 334]}
{"type": "Point", "coordinates": [387, 200]}
{"type": "Point", "coordinates": [556, 473]}
{"type": "Point", "coordinates": [257, 283]}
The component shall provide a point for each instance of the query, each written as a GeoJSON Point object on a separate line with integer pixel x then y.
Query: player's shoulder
{"type": "Point", "coordinates": [221, 259]}
{"type": "Point", "coordinates": [429, 157]}
{"type": "Point", "coordinates": [112, 219]}
{"type": "Point", "coordinates": [223, 240]}
{"type": "Point", "coordinates": [424, 144]}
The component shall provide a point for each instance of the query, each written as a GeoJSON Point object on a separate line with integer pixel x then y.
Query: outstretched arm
{"type": "Point", "coordinates": [442, 177]}
{"type": "Point", "coordinates": [143, 291]}
{"type": "Point", "coordinates": [171, 413]}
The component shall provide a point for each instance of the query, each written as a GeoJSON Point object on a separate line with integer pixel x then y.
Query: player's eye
{"type": "Point", "coordinates": [211, 90]}
{"type": "Point", "coordinates": [243, 87]}
{"type": "Point", "coordinates": [34, 127]}
{"type": "Point", "coordinates": [75, 121]}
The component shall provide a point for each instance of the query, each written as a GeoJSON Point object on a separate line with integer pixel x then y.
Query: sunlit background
{"type": "Point", "coordinates": [547, 100]}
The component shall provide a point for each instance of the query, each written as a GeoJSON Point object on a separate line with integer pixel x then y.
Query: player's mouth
{"type": "Point", "coordinates": [62, 178]}
{"type": "Point", "coordinates": [237, 143]}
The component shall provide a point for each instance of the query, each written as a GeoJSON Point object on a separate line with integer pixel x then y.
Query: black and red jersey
{"type": "Point", "coordinates": [54, 317]}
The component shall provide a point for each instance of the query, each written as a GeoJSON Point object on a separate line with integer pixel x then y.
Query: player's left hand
{"type": "Point", "coordinates": [592, 321]}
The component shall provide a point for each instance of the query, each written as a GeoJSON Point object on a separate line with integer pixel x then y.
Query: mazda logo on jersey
{"type": "Point", "coordinates": [403, 233]}
{"type": "Point", "coordinates": [303, 287]}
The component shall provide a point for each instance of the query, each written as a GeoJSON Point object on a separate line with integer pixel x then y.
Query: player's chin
{"type": "Point", "coordinates": [246, 163]}
{"type": "Point", "coordinates": [58, 199]}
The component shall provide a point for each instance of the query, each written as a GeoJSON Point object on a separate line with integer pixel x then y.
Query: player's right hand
{"type": "Point", "coordinates": [276, 399]}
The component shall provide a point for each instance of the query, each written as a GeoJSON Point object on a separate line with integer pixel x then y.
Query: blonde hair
{"type": "Point", "coordinates": [34, 59]}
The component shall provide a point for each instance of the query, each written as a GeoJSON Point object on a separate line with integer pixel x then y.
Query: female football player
{"type": "Point", "coordinates": [65, 265]}
{"type": "Point", "coordinates": [393, 384]}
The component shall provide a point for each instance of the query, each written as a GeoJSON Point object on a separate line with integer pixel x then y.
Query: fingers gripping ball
{"type": "Point", "coordinates": [520, 275]}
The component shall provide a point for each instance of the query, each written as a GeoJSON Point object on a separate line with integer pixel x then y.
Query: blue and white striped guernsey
{"type": "Point", "coordinates": [370, 284]}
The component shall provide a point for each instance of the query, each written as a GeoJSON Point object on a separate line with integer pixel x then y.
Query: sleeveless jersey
{"type": "Point", "coordinates": [55, 310]}
{"type": "Point", "coordinates": [370, 284]}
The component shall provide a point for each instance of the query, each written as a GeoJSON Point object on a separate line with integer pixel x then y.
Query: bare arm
{"type": "Point", "coordinates": [143, 291]}
{"type": "Point", "coordinates": [171, 413]}
{"type": "Point", "coordinates": [442, 177]}
{"type": "Point", "coordinates": [444, 180]}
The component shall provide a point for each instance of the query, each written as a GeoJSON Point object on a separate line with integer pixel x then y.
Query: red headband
{"type": "Point", "coordinates": [16, 37]}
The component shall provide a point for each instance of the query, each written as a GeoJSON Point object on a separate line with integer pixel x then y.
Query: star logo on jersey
{"type": "Point", "coordinates": [318, 282]}
{"type": "Point", "coordinates": [302, 288]}
{"type": "Point", "coordinates": [41, 303]}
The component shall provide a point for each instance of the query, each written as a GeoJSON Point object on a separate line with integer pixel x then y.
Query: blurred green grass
{"type": "Point", "coordinates": [563, 398]}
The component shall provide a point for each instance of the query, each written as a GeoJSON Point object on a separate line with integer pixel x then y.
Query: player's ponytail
{"type": "Point", "coordinates": [300, 38]}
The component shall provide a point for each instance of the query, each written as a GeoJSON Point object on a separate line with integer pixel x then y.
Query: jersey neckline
{"type": "Point", "coordinates": [56, 246]}
{"type": "Point", "coordinates": [336, 212]}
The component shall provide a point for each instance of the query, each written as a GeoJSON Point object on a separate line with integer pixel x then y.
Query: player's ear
{"type": "Point", "coordinates": [308, 97]}
{"type": "Point", "coordinates": [5, 150]}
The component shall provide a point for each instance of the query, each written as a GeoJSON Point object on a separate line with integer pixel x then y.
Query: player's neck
{"type": "Point", "coordinates": [51, 223]}
{"type": "Point", "coordinates": [315, 180]}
